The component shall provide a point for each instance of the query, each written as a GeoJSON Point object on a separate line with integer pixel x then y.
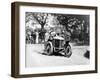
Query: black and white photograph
{"type": "Point", "coordinates": [51, 39]}
{"type": "Point", "coordinates": [57, 39]}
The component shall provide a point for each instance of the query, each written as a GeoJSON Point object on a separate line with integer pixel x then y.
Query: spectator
{"type": "Point", "coordinates": [46, 36]}
{"type": "Point", "coordinates": [33, 35]}
{"type": "Point", "coordinates": [37, 37]}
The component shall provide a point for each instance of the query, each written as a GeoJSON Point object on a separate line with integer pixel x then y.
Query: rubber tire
{"type": "Point", "coordinates": [49, 49]}
{"type": "Point", "coordinates": [68, 51]}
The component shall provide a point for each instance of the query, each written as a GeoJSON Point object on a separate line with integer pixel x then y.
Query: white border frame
{"type": "Point", "coordinates": [24, 70]}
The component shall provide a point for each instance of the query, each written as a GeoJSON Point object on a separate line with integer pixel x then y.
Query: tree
{"type": "Point", "coordinates": [38, 18]}
{"type": "Point", "coordinates": [63, 20]}
{"type": "Point", "coordinates": [41, 18]}
{"type": "Point", "coordinates": [77, 25]}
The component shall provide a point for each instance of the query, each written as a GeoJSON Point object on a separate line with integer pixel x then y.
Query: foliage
{"type": "Point", "coordinates": [77, 25]}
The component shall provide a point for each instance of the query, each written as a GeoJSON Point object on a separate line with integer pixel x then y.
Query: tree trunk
{"type": "Point", "coordinates": [42, 26]}
{"type": "Point", "coordinates": [42, 33]}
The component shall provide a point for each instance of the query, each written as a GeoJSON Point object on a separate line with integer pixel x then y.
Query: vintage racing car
{"type": "Point", "coordinates": [58, 44]}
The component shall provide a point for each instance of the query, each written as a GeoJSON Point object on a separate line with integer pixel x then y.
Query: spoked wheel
{"type": "Point", "coordinates": [48, 49]}
{"type": "Point", "coordinates": [68, 51]}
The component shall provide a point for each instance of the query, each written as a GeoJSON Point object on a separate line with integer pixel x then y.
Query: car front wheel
{"type": "Point", "coordinates": [68, 51]}
{"type": "Point", "coordinates": [48, 49]}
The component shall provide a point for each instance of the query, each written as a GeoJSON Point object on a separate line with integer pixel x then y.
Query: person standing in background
{"type": "Point", "coordinates": [37, 37]}
{"type": "Point", "coordinates": [33, 34]}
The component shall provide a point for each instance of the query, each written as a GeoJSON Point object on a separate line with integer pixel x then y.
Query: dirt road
{"type": "Point", "coordinates": [35, 58]}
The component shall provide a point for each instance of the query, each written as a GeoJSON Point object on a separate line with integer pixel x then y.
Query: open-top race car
{"type": "Point", "coordinates": [58, 44]}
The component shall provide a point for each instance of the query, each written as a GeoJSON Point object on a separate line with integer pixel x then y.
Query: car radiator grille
{"type": "Point", "coordinates": [58, 43]}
